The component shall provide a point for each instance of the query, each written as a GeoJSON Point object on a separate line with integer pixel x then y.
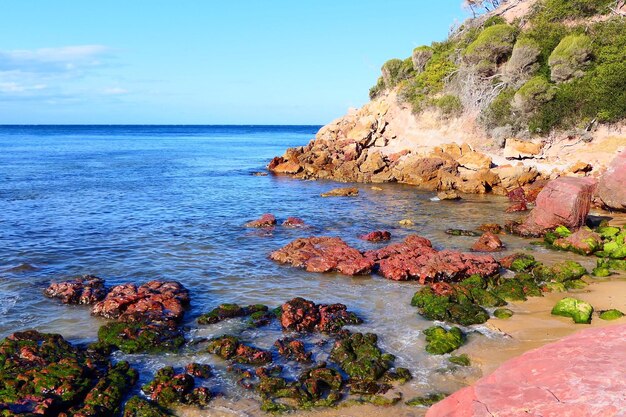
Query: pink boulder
{"type": "Point", "coordinates": [304, 316]}
{"type": "Point", "coordinates": [415, 259]}
{"type": "Point", "coordinates": [582, 241]}
{"type": "Point", "coordinates": [564, 201]}
{"type": "Point", "coordinates": [87, 289]}
{"type": "Point", "coordinates": [612, 185]}
{"type": "Point", "coordinates": [154, 301]}
{"type": "Point", "coordinates": [579, 376]}
{"type": "Point", "coordinates": [293, 222]}
{"type": "Point", "coordinates": [323, 254]}
{"type": "Point", "coordinates": [376, 236]}
{"type": "Point", "coordinates": [488, 242]}
{"type": "Point", "coordinates": [266, 220]}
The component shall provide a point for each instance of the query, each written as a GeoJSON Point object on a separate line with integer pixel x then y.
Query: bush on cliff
{"type": "Point", "coordinates": [536, 92]}
{"type": "Point", "coordinates": [396, 70]}
{"type": "Point", "coordinates": [421, 56]}
{"type": "Point", "coordinates": [570, 58]}
{"type": "Point", "coordinates": [492, 46]}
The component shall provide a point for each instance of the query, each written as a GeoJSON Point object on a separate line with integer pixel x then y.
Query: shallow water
{"type": "Point", "coordinates": [142, 203]}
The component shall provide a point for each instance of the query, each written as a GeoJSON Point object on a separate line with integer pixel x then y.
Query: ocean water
{"type": "Point", "coordinates": [137, 203]}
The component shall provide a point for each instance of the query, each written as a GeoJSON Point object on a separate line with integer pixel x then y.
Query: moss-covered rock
{"type": "Point", "coordinates": [600, 272]}
{"type": "Point", "coordinates": [567, 271]}
{"type": "Point", "coordinates": [503, 313]}
{"type": "Point", "coordinates": [426, 401]}
{"type": "Point", "coordinates": [446, 308]}
{"type": "Point", "coordinates": [359, 356]}
{"type": "Point", "coordinates": [140, 337]}
{"type": "Point", "coordinates": [230, 347]}
{"type": "Point", "coordinates": [611, 314]}
{"type": "Point", "coordinates": [580, 311]}
{"type": "Point", "coordinates": [440, 341]}
{"type": "Point", "coordinates": [461, 360]}
{"type": "Point", "coordinates": [227, 311]}
{"type": "Point", "coordinates": [139, 407]}
{"type": "Point", "coordinates": [575, 284]}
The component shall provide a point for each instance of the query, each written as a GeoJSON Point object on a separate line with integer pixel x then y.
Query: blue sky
{"type": "Point", "coordinates": [203, 62]}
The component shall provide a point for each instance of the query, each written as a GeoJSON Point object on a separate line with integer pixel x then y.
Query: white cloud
{"type": "Point", "coordinates": [13, 87]}
{"type": "Point", "coordinates": [66, 58]}
{"type": "Point", "coordinates": [114, 91]}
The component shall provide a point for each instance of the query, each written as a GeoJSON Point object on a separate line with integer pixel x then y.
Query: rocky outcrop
{"type": "Point", "coordinates": [87, 289]}
{"type": "Point", "coordinates": [266, 220]}
{"type": "Point", "coordinates": [565, 201]}
{"type": "Point", "coordinates": [323, 254]}
{"type": "Point", "coordinates": [376, 236]}
{"type": "Point", "coordinates": [488, 242]}
{"type": "Point", "coordinates": [305, 316]}
{"type": "Point", "coordinates": [580, 375]}
{"type": "Point", "coordinates": [612, 185]}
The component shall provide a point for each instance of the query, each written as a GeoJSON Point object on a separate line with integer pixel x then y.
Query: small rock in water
{"type": "Point", "coordinates": [448, 195]}
{"type": "Point", "coordinates": [376, 188]}
{"type": "Point", "coordinates": [259, 174]}
{"type": "Point", "coordinates": [342, 192]}
{"type": "Point", "coordinates": [491, 227]}
{"type": "Point", "coordinates": [87, 289]}
{"type": "Point", "coordinates": [503, 313]}
{"type": "Point", "coordinates": [266, 220]}
{"type": "Point", "coordinates": [23, 267]}
{"type": "Point", "coordinates": [488, 242]}
{"type": "Point", "coordinates": [461, 232]}
{"type": "Point", "coordinates": [406, 222]}
{"type": "Point", "coordinates": [376, 236]}
{"type": "Point", "coordinates": [611, 314]}
{"type": "Point", "coordinates": [517, 207]}
{"type": "Point", "coordinates": [293, 222]}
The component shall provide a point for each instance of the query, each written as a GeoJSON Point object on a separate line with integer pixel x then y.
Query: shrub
{"type": "Point", "coordinates": [570, 57]}
{"type": "Point", "coordinates": [449, 105]}
{"type": "Point", "coordinates": [532, 95]}
{"type": "Point", "coordinates": [377, 89]}
{"type": "Point", "coordinates": [494, 20]}
{"type": "Point", "coordinates": [420, 57]}
{"type": "Point", "coordinates": [490, 48]}
{"type": "Point", "coordinates": [499, 112]}
{"type": "Point", "coordinates": [396, 70]}
{"type": "Point", "coordinates": [559, 10]}
{"type": "Point", "coordinates": [523, 62]}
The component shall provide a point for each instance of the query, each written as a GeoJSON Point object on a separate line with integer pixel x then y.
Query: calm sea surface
{"type": "Point", "coordinates": [142, 203]}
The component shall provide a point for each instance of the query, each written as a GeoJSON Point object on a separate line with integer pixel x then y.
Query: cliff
{"type": "Point", "coordinates": [532, 90]}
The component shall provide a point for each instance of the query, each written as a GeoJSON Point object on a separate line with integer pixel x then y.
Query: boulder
{"type": "Point", "coordinates": [266, 220]}
{"type": "Point", "coordinates": [323, 254]}
{"type": "Point", "coordinates": [376, 236]}
{"type": "Point", "coordinates": [564, 201]}
{"type": "Point", "coordinates": [448, 195]}
{"type": "Point", "coordinates": [294, 222]}
{"type": "Point", "coordinates": [515, 176]}
{"type": "Point", "coordinates": [578, 310]}
{"type": "Point", "coordinates": [440, 341]}
{"type": "Point", "coordinates": [583, 241]}
{"type": "Point", "coordinates": [305, 316]}
{"type": "Point", "coordinates": [580, 375]}
{"type": "Point", "coordinates": [293, 349]}
{"type": "Point", "coordinates": [342, 192]}
{"type": "Point", "coordinates": [87, 289]}
{"type": "Point", "coordinates": [154, 301]}
{"type": "Point", "coordinates": [612, 188]}
{"type": "Point", "coordinates": [520, 149]}
{"type": "Point", "coordinates": [488, 242]}
{"type": "Point", "coordinates": [474, 160]}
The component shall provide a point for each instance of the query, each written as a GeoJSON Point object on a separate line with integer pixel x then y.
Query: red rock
{"type": "Point", "coordinates": [323, 254]}
{"type": "Point", "coordinates": [565, 201]}
{"type": "Point", "coordinates": [292, 349]}
{"type": "Point", "coordinates": [517, 195]}
{"type": "Point", "coordinates": [85, 290]}
{"type": "Point", "coordinates": [293, 222]}
{"type": "Point", "coordinates": [581, 375]}
{"type": "Point", "coordinates": [488, 242]}
{"type": "Point", "coordinates": [154, 301]}
{"type": "Point", "coordinates": [376, 236]}
{"type": "Point", "coordinates": [303, 315]}
{"type": "Point", "coordinates": [612, 185]}
{"type": "Point", "coordinates": [583, 241]}
{"type": "Point", "coordinates": [266, 220]}
{"type": "Point", "coordinates": [416, 259]}
{"type": "Point", "coordinates": [516, 207]}
{"type": "Point", "coordinates": [491, 227]}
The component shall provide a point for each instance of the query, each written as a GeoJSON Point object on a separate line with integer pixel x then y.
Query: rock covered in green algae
{"type": "Point", "coordinates": [140, 337]}
{"type": "Point", "coordinates": [503, 313]}
{"type": "Point", "coordinates": [168, 388]}
{"type": "Point", "coordinates": [612, 314]}
{"type": "Point", "coordinates": [580, 311]}
{"type": "Point", "coordinates": [231, 348]}
{"type": "Point", "coordinates": [227, 311]}
{"type": "Point", "coordinates": [601, 272]}
{"type": "Point", "coordinates": [518, 288]}
{"type": "Point", "coordinates": [199, 370]}
{"type": "Point", "coordinates": [293, 350]}
{"type": "Point", "coordinates": [44, 374]}
{"type": "Point", "coordinates": [519, 262]}
{"type": "Point", "coordinates": [461, 232]}
{"type": "Point", "coordinates": [426, 401]}
{"type": "Point", "coordinates": [444, 305]}
{"type": "Point", "coordinates": [461, 360]}
{"type": "Point", "coordinates": [440, 341]}
{"type": "Point", "coordinates": [567, 271]}
{"type": "Point", "coordinates": [139, 407]}
{"type": "Point", "coordinates": [359, 356]}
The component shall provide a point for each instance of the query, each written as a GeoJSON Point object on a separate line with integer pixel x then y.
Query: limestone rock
{"type": "Point", "coordinates": [521, 149]}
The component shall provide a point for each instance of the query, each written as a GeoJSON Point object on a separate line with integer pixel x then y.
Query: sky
{"type": "Point", "coordinates": [203, 61]}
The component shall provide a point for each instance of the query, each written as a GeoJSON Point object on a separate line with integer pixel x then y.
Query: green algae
{"type": "Point", "coordinates": [503, 313]}
{"type": "Point", "coordinates": [440, 341]}
{"type": "Point", "coordinates": [426, 401]}
{"type": "Point", "coordinates": [461, 360]}
{"type": "Point", "coordinates": [612, 314]}
{"type": "Point", "coordinates": [139, 407]}
{"type": "Point", "coordinates": [139, 337]}
{"type": "Point", "coordinates": [578, 310]}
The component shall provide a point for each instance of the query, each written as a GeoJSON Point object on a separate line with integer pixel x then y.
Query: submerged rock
{"type": "Point", "coordinates": [342, 192]}
{"type": "Point", "coordinates": [168, 388]}
{"type": "Point", "coordinates": [488, 242]}
{"type": "Point", "coordinates": [426, 401]}
{"type": "Point", "coordinates": [461, 232]}
{"type": "Point", "coordinates": [503, 313]}
{"type": "Point", "coordinates": [376, 236]}
{"type": "Point", "coordinates": [231, 348]}
{"type": "Point", "coordinates": [293, 349]}
{"type": "Point", "coordinates": [199, 370]}
{"type": "Point", "coordinates": [139, 407]}
{"type": "Point", "coordinates": [154, 302]}
{"type": "Point", "coordinates": [139, 337]}
{"type": "Point", "coordinates": [227, 311]}
{"type": "Point", "coordinates": [293, 222]}
{"type": "Point", "coordinates": [266, 220]}
{"type": "Point", "coordinates": [359, 356]}
{"type": "Point", "coordinates": [323, 254]}
{"type": "Point", "coordinates": [448, 195]}
{"type": "Point", "coordinates": [580, 311]}
{"type": "Point", "coordinates": [87, 289]}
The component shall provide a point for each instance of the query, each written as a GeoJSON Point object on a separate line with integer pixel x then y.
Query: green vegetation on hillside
{"type": "Point", "coordinates": [554, 69]}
